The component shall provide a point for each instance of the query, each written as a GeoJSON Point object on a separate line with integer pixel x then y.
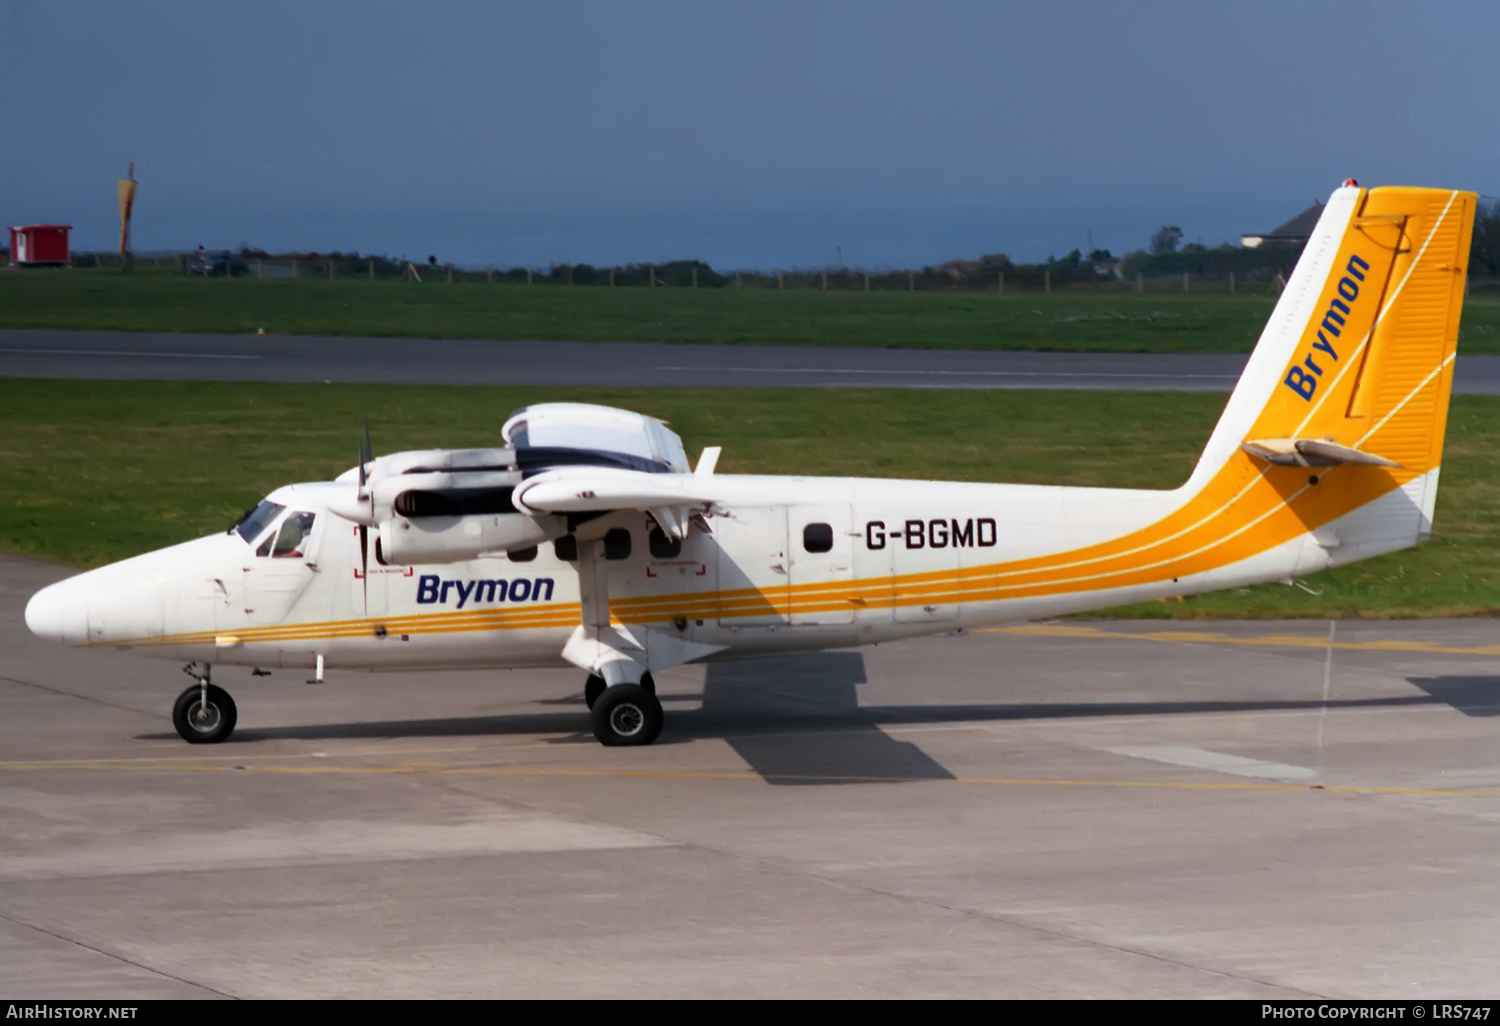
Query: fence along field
{"type": "Point", "coordinates": [338, 297]}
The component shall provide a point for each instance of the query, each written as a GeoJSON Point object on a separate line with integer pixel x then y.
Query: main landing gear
{"type": "Point", "coordinates": [204, 714]}
{"type": "Point", "coordinates": [625, 714]}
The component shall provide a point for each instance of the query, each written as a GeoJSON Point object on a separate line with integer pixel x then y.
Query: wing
{"type": "Point", "coordinates": [565, 463]}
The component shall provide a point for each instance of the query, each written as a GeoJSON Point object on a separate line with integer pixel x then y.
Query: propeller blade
{"type": "Point", "coordinates": [364, 564]}
{"type": "Point", "coordinates": [365, 456]}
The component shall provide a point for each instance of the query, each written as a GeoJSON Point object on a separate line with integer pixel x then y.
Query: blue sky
{"type": "Point", "coordinates": [748, 134]}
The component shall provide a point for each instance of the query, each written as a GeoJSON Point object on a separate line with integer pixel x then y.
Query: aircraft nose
{"type": "Point", "coordinates": [57, 613]}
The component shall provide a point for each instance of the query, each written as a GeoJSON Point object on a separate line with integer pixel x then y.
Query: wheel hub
{"type": "Point", "coordinates": [204, 716]}
{"type": "Point", "coordinates": [627, 719]}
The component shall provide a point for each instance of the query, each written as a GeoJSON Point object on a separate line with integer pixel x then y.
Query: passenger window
{"type": "Point", "coordinates": [617, 544]}
{"type": "Point", "coordinates": [522, 555]}
{"type": "Point", "coordinates": [817, 538]}
{"type": "Point", "coordinates": [661, 546]}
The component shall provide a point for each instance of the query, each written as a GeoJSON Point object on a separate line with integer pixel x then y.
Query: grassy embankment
{"type": "Point", "coordinates": [95, 471]}
{"type": "Point", "coordinates": [154, 300]}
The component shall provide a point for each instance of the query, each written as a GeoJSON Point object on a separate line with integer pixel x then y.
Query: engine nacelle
{"type": "Point", "coordinates": [405, 541]}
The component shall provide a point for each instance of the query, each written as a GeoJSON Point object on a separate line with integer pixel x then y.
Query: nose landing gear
{"type": "Point", "coordinates": [203, 714]}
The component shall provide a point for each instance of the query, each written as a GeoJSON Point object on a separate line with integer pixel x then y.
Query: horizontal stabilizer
{"type": "Point", "coordinates": [1311, 452]}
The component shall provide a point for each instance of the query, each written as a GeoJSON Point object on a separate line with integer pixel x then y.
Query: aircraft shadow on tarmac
{"type": "Point", "coordinates": [797, 720]}
{"type": "Point", "coordinates": [821, 685]}
{"type": "Point", "coordinates": [1472, 696]}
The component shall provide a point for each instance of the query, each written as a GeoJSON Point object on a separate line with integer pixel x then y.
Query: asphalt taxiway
{"type": "Point", "coordinates": [186, 357]}
{"type": "Point", "coordinates": [1071, 809]}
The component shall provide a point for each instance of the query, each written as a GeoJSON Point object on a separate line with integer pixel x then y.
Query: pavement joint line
{"type": "Point", "coordinates": [127, 352]}
{"type": "Point", "coordinates": [786, 866]}
{"type": "Point", "coordinates": [893, 728]}
{"type": "Point", "coordinates": [110, 954]}
{"type": "Point", "coordinates": [198, 759]}
{"type": "Point", "coordinates": [1263, 640]}
{"type": "Point", "coordinates": [493, 771]}
{"type": "Point", "coordinates": [69, 694]}
{"type": "Point", "coordinates": [1013, 921]}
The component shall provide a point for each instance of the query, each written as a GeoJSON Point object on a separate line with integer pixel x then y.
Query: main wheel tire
{"type": "Point", "coordinates": [627, 714]}
{"type": "Point", "coordinates": [202, 723]}
{"type": "Point", "coordinates": [648, 682]}
{"type": "Point", "coordinates": [592, 689]}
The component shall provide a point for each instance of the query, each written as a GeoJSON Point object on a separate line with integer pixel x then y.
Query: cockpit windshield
{"type": "Point", "coordinates": [255, 521]}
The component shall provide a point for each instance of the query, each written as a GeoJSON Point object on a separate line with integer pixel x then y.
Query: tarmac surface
{"type": "Point", "coordinates": [187, 357]}
{"type": "Point", "coordinates": [1089, 808]}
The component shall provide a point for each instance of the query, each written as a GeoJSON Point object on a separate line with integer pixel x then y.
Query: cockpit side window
{"type": "Point", "coordinates": [257, 520]}
{"type": "Point", "coordinates": [291, 540]}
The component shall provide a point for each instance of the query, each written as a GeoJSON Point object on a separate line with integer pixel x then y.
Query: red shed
{"type": "Point", "coordinates": [39, 245]}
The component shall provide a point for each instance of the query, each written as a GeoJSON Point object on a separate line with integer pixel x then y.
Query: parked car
{"type": "Point", "coordinates": [218, 263]}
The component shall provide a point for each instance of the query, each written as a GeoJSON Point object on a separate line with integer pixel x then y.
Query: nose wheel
{"type": "Point", "coordinates": [204, 714]}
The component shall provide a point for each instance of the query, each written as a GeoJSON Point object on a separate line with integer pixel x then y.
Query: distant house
{"type": "Point", "coordinates": [1294, 233]}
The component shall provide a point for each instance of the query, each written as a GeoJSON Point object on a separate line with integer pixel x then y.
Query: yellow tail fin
{"type": "Point", "coordinates": [1340, 414]}
{"type": "Point", "coordinates": [1373, 367]}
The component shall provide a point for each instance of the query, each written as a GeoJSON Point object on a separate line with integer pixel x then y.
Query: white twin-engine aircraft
{"type": "Point", "coordinates": [587, 538]}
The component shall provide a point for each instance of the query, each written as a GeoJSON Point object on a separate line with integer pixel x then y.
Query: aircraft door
{"type": "Point", "coordinates": [821, 566]}
{"type": "Point", "coordinates": [753, 577]}
{"type": "Point", "coordinates": [375, 587]}
{"type": "Point", "coordinates": [924, 569]}
{"type": "Point", "coordinates": [282, 567]}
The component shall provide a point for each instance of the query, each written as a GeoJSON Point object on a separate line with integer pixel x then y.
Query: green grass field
{"type": "Point", "coordinates": [153, 300]}
{"type": "Point", "coordinates": [94, 471]}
